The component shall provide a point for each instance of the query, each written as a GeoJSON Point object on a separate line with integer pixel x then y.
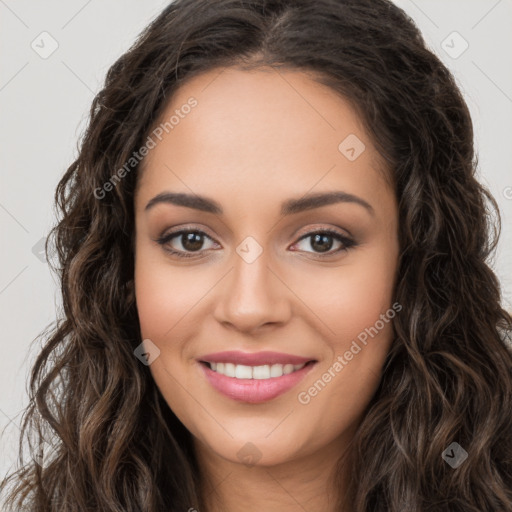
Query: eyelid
{"type": "Point", "coordinates": [186, 228]}
{"type": "Point", "coordinates": [322, 228]}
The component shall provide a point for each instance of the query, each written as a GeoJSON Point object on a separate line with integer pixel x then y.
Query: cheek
{"type": "Point", "coordinates": [165, 295]}
{"type": "Point", "coordinates": [170, 300]}
{"type": "Point", "coordinates": [355, 305]}
{"type": "Point", "coordinates": [156, 306]}
{"type": "Point", "coordinates": [365, 295]}
{"type": "Point", "coordinates": [350, 298]}
{"type": "Point", "coordinates": [165, 300]}
{"type": "Point", "coordinates": [358, 309]}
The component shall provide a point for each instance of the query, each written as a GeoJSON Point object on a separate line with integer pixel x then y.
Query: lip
{"type": "Point", "coordinates": [255, 391]}
{"type": "Point", "coordinates": [254, 358]}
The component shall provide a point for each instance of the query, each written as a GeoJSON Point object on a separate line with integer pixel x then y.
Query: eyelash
{"type": "Point", "coordinates": [347, 242]}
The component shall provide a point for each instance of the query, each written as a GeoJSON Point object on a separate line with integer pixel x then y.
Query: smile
{"type": "Point", "coordinates": [267, 371]}
{"type": "Point", "coordinates": [254, 384]}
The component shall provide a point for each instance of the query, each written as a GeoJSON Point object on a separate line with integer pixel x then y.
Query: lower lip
{"type": "Point", "coordinates": [255, 390]}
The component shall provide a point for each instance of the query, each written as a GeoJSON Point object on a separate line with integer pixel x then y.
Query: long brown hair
{"type": "Point", "coordinates": [117, 446]}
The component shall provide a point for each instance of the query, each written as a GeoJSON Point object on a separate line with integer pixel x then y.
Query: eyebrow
{"type": "Point", "coordinates": [289, 207]}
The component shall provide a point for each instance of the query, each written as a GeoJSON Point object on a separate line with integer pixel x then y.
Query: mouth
{"type": "Point", "coordinates": [254, 384]}
{"type": "Point", "coordinates": [260, 372]}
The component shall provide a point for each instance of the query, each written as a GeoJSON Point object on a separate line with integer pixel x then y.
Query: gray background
{"type": "Point", "coordinates": [44, 105]}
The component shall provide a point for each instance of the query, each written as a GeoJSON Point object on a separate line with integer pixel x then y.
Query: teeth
{"type": "Point", "coordinates": [266, 371]}
{"type": "Point", "coordinates": [243, 372]}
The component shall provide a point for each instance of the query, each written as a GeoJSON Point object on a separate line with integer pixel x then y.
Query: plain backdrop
{"type": "Point", "coordinates": [44, 103]}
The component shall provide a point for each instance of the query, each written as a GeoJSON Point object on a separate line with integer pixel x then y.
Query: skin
{"type": "Point", "coordinates": [254, 140]}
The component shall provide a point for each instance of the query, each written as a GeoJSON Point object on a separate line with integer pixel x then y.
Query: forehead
{"type": "Point", "coordinates": [262, 132]}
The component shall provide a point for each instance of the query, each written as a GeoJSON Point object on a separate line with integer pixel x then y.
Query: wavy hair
{"type": "Point", "coordinates": [117, 446]}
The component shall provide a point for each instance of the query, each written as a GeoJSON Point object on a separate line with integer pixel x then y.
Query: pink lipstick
{"type": "Point", "coordinates": [254, 377]}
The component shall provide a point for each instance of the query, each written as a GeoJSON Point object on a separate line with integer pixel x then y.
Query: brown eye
{"type": "Point", "coordinates": [188, 242]}
{"type": "Point", "coordinates": [321, 242]}
{"type": "Point", "coordinates": [192, 241]}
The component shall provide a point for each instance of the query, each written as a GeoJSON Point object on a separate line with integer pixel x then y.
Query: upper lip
{"type": "Point", "coordinates": [253, 358]}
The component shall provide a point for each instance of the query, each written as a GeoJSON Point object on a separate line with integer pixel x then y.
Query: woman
{"type": "Point", "coordinates": [273, 255]}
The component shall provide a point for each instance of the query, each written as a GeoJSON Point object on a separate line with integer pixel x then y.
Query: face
{"type": "Point", "coordinates": [287, 263]}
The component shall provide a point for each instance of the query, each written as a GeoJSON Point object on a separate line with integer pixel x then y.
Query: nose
{"type": "Point", "coordinates": [253, 296]}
